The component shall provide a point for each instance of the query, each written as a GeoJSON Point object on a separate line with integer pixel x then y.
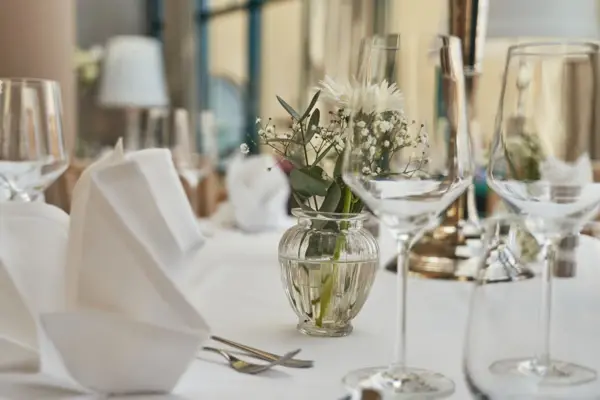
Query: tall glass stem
{"type": "Point", "coordinates": [542, 359]}
{"type": "Point", "coordinates": [399, 360]}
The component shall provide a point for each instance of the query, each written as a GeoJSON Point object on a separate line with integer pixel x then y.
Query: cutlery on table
{"type": "Point", "coordinates": [264, 355]}
{"type": "Point", "coordinates": [249, 368]}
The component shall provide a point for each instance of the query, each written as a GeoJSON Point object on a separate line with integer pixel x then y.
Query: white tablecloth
{"type": "Point", "coordinates": [237, 287]}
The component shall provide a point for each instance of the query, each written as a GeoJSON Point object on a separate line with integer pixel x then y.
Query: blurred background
{"type": "Point", "coordinates": [222, 62]}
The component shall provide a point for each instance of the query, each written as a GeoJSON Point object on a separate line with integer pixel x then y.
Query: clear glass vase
{"type": "Point", "coordinates": [328, 264]}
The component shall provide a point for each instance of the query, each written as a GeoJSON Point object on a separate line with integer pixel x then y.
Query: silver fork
{"type": "Point", "coordinates": [264, 355]}
{"type": "Point", "coordinates": [250, 368]}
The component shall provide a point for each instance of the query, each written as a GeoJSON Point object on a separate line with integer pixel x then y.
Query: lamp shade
{"type": "Point", "coordinates": [133, 73]}
{"type": "Point", "coordinates": [543, 18]}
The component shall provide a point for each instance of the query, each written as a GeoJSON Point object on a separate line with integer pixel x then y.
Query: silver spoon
{"type": "Point", "coordinates": [249, 368]}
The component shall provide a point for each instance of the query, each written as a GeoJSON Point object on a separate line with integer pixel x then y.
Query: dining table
{"type": "Point", "coordinates": [235, 284]}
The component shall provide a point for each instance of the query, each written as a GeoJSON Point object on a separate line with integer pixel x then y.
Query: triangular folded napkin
{"type": "Point", "coordinates": [90, 301]}
{"type": "Point", "coordinates": [258, 193]}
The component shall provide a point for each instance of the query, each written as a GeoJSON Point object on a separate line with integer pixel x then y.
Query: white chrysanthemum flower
{"type": "Point", "coordinates": [364, 132]}
{"type": "Point", "coordinates": [378, 170]}
{"type": "Point", "coordinates": [352, 96]}
{"type": "Point", "coordinates": [244, 148]}
{"type": "Point", "coordinates": [366, 170]}
{"type": "Point", "coordinates": [386, 143]}
{"type": "Point", "coordinates": [258, 120]}
{"type": "Point", "coordinates": [339, 93]}
{"type": "Point", "coordinates": [361, 124]}
{"type": "Point", "coordinates": [387, 97]}
{"type": "Point", "coordinates": [261, 132]}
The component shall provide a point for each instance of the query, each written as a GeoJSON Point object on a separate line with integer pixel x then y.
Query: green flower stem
{"type": "Point", "coordinates": [329, 282]}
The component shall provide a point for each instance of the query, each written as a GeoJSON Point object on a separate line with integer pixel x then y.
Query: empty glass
{"type": "Point", "coordinates": [32, 147]}
{"type": "Point", "coordinates": [170, 128]}
{"type": "Point", "coordinates": [545, 156]}
{"type": "Point", "coordinates": [508, 322]}
{"type": "Point", "coordinates": [408, 158]}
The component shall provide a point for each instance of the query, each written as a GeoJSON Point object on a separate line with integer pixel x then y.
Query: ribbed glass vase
{"type": "Point", "coordinates": [328, 264]}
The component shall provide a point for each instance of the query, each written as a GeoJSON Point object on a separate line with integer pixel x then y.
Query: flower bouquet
{"type": "Point", "coordinates": [329, 260]}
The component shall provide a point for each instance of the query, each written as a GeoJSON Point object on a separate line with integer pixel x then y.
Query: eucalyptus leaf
{"type": "Point", "coordinates": [330, 203]}
{"type": "Point", "coordinates": [317, 172]}
{"type": "Point", "coordinates": [313, 121]}
{"type": "Point", "coordinates": [301, 202]}
{"type": "Point", "coordinates": [304, 182]}
{"type": "Point", "coordinates": [313, 101]}
{"type": "Point", "coordinates": [289, 109]}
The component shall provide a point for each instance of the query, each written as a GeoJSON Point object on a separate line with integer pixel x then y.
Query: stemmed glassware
{"type": "Point", "coordinates": [502, 334]}
{"type": "Point", "coordinates": [32, 145]}
{"type": "Point", "coordinates": [169, 128]}
{"type": "Point", "coordinates": [543, 164]}
{"type": "Point", "coordinates": [408, 161]}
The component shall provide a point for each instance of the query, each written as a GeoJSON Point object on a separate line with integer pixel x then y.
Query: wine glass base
{"type": "Point", "coordinates": [404, 383]}
{"type": "Point", "coordinates": [557, 373]}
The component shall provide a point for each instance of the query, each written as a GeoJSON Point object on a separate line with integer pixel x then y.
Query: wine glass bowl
{"type": "Point", "coordinates": [424, 173]}
{"type": "Point", "coordinates": [546, 148]}
{"type": "Point", "coordinates": [504, 348]}
{"type": "Point", "coordinates": [32, 146]}
{"type": "Point", "coordinates": [408, 157]}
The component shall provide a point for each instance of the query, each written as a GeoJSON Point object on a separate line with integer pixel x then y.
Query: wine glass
{"type": "Point", "coordinates": [32, 146]}
{"type": "Point", "coordinates": [169, 128]}
{"type": "Point", "coordinates": [503, 321]}
{"type": "Point", "coordinates": [543, 162]}
{"type": "Point", "coordinates": [408, 158]}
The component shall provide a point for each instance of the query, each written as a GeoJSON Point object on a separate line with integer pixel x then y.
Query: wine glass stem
{"type": "Point", "coordinates": [543, 356]}
{"type": "Point", "coordinates": [399, 361]}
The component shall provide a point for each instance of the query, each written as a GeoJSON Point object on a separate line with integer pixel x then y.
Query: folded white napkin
{"type": "Point", "coordinates": [258, 193]}
{"type": "Point", "coordinates": [91, 302]}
